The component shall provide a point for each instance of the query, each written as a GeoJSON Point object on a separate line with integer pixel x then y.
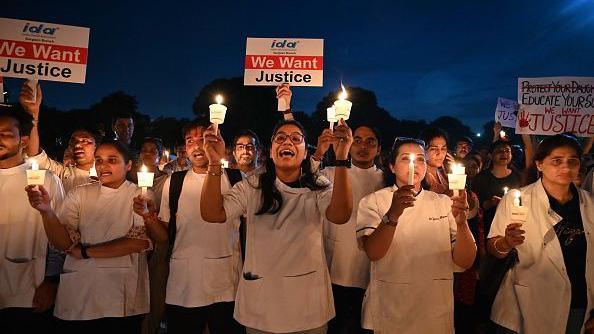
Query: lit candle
{"type": "Point", "coordinates": [167, 155]}
{"type": "Point", "coordinates": [217, 112]}
{"type": "Point", "coordinates": [505, 190]}
{"type": "Point", "coordinates": [457, 179]}
{"type": "Point", "coordinates": [35, 176]}
{"type": "Point", "coordinates": [145, 179]}
{"type": "Point", "coordinates": [225, 163]}
{"type": "Point", "coordinates": [342, 105]}
{"type": "Point", "coordinates": [331, 116]}
{"type": "Point", "coordinates": [411, 169]}
{"type": "Point", "coordinates": [519, 211]}
{"type": "Point", "coordinates": [502, 134]}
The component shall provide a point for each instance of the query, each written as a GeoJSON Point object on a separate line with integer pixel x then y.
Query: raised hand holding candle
{"type": "Point", "coordinates": [225, 163]}
{"type": "Point", "coordinates": [331, 117]}
{"type": "Point", "coordinates": [217, 112]}
{"type": "Point", "coordinates": [167, 155]}
{"type": "Point", "coordinates": [411, 169]}
{"type": "Point", "coordinates": [35, 176]}
{"type": "Point", "coordinates": [502, 134]}
{"type": "Point", "coordinates": [457, 179]}
{"type": "Point", "coordinates": [342, 105]}
{"type": "Point", "coordinates": [145, 179]}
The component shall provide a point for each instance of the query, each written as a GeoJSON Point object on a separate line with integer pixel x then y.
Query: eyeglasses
{"type": "Point", "coordinates": [247, 147]}
{"type": "Point", "coordinates": [281, 137]}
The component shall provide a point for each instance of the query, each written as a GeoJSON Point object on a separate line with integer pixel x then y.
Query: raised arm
{"type": "Point", "coordinates": [464, 250]}
{"type": "Point", "coordinates": [56, 232]}
{"type": "Point", "coordinates": [211, 199]}
{"type": "Point", "coordinates": [341, 204]}
{"type": "Point", "coordinates": [155, 228]}
{"type": "Point", "coordinates": [32, 108]}
{"type": "Point", "coordinates": [283, 96]}
{"type": "Point", "coordinates": [528, 149]}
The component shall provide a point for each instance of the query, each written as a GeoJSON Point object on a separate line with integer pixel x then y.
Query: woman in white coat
{"type": "Point", "coordinates": [104, 287]}
{"type": "Point", "coordinates": [415, 239]}
{"type": "Point", "coordinates": [285, 286]}
{"type": "Point", "coordinates": [550, 289]}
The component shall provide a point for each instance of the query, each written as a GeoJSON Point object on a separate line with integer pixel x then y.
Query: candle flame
{"type": "Point", "coordinates": [502, 134]}
{"type": "Point", "coordinates": [505, 190]}
{"type": "Point", "coordinates": [343, 94]}
{"type": "Point", "coordinates": [219, 99]}
{"type": "Point", "coordinates": [143, 169]}
{"type": "Point", "coordinates": [412, 157]}
{"type": "Point", "coordinates": [34, 164]}
{"type": "Point", "coordinates": [517, 194]}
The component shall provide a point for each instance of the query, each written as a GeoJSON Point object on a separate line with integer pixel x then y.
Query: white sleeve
{"type": "Point", "coordinates": [324, 197]}
{"type": "Point", "coordinates": [235, 201]}
{"type": "Point", "coordinates": [502, 216]}
{"type": "Point", "coordinates": [69, 211]}
{"type": "Point", "coordinates": [164, 209]}
{"type": "Point", "coordinates": [369, 215]}
{"type": "Point", "coordinates": [56, 192]}
{"type": "Point", "coordinates": [46, 162]}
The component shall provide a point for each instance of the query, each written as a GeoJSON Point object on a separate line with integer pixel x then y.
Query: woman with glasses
{"type": "Point", "coordinates": [550, 289]}
{"type": "Point", "coordinates": [285, 286]}
{"type": "Point", "coordinates": [415, 239]}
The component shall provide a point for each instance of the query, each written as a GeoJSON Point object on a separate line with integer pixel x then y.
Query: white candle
{"type": "Point", "coordinates": [342, 105]}
{"type": "Point", "coordinates": [93, 171]}
{"type": "Point", "coordinates": [502, 134]}
{"type": "Point", "coordinates": [225, 163]}
{"type": "Point", "coordinates": [331, 116]}
{"type": "Point", "coordinates": [411, 169]}
{"type": "Point", "coordinates": [35, 176]}
{"type": "Point", "coordinates": [217, 112]}
{"type": "Point", "coordinates": [519, 211]}
{"type": "Point", "coordinates": [457, 179]}
{"type": "Point", "coordinates": [505, 190]}
{"type": "Point", "coordinates": [32, 83]}
{"type": "Point", "coordinates": [167, 155]}
{"type": "Point", "coordinates": [145, 179]}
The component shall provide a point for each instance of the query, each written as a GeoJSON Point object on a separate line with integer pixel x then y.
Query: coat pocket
{"type": "Point", "coordinates": [218, 274]}
{"type": "Point", "coordinates": [18, 277]}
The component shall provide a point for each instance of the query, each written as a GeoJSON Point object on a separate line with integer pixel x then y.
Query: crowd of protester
{"type": "Point", "coordinates": [337, 237]}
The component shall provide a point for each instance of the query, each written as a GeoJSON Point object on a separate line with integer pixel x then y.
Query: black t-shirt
{"type": "Point", "coordinates": [486, 185]}
{"type": "Point", "coordinates": [570, 231]}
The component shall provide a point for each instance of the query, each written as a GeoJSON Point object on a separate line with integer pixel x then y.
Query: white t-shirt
{"type": "Point", "coordinates": [348, 264]}
{"type": "Point", "coordinates": [70, 176]}
{"type": "Point", "coordinates": [206, 260]}
{"type": "Point", "coordinates": [23, 242]}
{"type": "Point", "coordinates": [410, 289]}
{"type": "Point", "coordinates": [102, 287]}
{"type": "Point", "coordinates": [285, 250]}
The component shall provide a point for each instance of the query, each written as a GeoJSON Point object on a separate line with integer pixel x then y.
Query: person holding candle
{"type": "Point", "coordinates": [415, 239]}
{"type": "Point", "coordinates": [28, 266]}
{"type": "Point", "coordinates": [83, 143]}
{"type": "Point", "coordinates": [285, 286]}
{"type": "Point", "coordinates": [205, 259]}
{"type": "Point", "coordinates": [437, 159]}
{"type": "Point", "coordinates": [347, 262]}
{"type": "Point", "coordinates": [104, 287]}
{"type": "Point", "coordinates": [550, 289]}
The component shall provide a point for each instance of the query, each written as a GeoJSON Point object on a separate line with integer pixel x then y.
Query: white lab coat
{"type": "Point", "coordinates": [286, 251]}
{"type": "Point", "coordinates": [348, 264]}
{"type": "Point", "coordinates": [102, 287]}
{"type": "Point", "coordinates": [23, 242]}
{"type": "Point", "coordinates": [411, 287]}
{"type": "Point", "coordinates": [535, 295]}
{"type": "Point", "coordinates": [206, 260]}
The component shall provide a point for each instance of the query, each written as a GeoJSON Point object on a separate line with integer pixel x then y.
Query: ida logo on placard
{"type": "Point", "coordinates": [285, 44]}
{"type": "Point", "coordinates": [40, 29]}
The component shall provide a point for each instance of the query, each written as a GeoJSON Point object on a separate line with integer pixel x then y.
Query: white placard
{"type": "Point", "coordinates": [505, 112]}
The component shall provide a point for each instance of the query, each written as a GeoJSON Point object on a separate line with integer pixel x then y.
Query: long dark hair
{"type": "Point", "coordinates": [272, 200]}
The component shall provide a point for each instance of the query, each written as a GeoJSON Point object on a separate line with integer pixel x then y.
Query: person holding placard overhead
{"type": "Point", "coordinates": [550, 223]}
{"type": "Point", "coordinates": [415, 239]}
{"type": "Point", "coordinates": [104, 287]}
{"type": "Point", "coordinates": [285, 286]}
{"type": "Point", "coordinates": [28, 267]}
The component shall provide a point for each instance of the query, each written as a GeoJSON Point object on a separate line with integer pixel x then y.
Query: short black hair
{"type": "Point", "coordinates": [247, 133]}
{"type": "Point", "coordinates": [499, 143]}
{"type": "Point", "coordinates": [548, 144]}
{"type": "Point", "coordinates": [373, 129]}
{"type": "Point", "coordinates": [121, 148]}
{"type": "Point", "coordinates": [465, 139]}
{"type": "Point", "coordinates": [193, 125]}
{"type": "Point", "coordinates": [433, 132]}
{"type": "Point", "coordinates": [89, 131]}
{"type": "Point", "coordinates": [158, 142]}
{"type": "Point", "coordinates": [121, 114]}
{"type": "Point", "coordinates": [24, 119]}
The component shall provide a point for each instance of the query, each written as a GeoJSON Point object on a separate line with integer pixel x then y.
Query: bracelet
{"type": "Point", "coordinates": [497, 249]}
{"type": "Point", "coordinates": [342, 163]}
{"type": "Point", "coordinates": [83, 251]}
{"type": "Point", "coordinates": [288, 111]}
{"type": "Point", "coordinates": [315, 157]}
{"type": "Point", "coordinates": [219, 173]}
{"type": "Point", "coordinates": [392, 223]}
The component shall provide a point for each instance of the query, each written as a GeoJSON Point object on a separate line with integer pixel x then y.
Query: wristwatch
{"type": "Point", "coordinates": [83, 251]}
{"type": "Point", "coordinates": [386, 220]}
{"type": "Point", "coordinates": [342, 163]}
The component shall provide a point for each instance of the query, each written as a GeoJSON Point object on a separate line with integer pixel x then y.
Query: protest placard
{"type": "Point", "coordinates": [553, 105]}
{"type": "Point", "coordinates": [273, 61]}
{"type": "Point", "coordinates": [505, 112]}
{"type": "Point", "coordinates": [43, 51]}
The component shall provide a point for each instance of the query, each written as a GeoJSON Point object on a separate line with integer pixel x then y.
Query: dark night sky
{"type": "Point", "coordinates": [423, 59]}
